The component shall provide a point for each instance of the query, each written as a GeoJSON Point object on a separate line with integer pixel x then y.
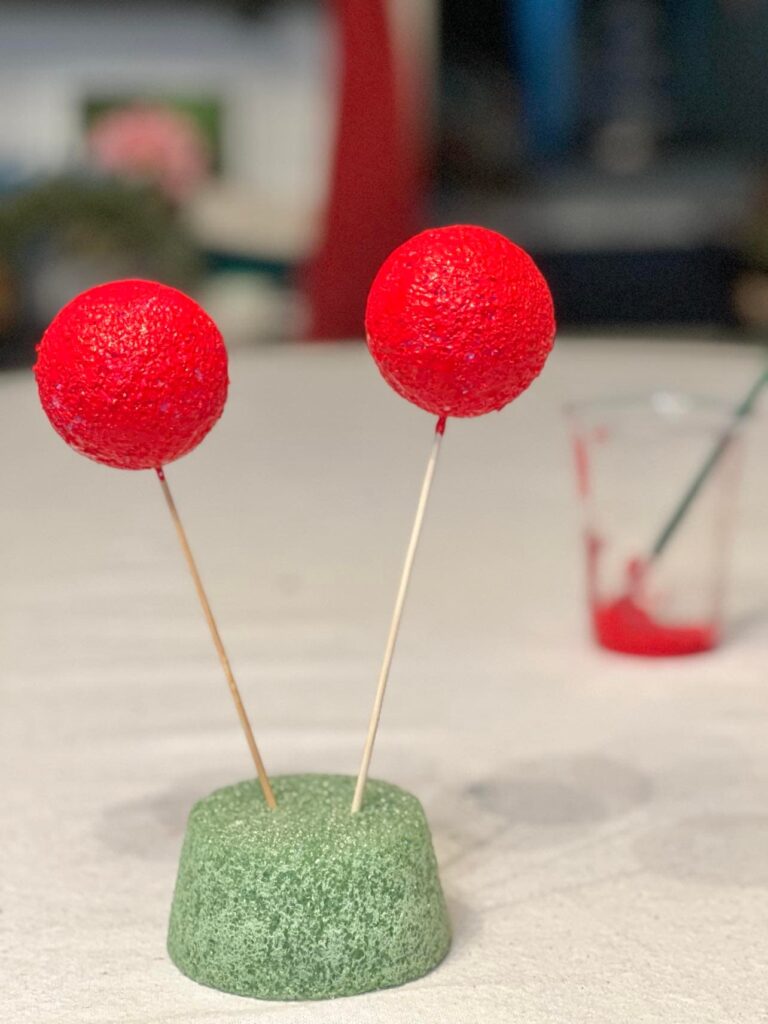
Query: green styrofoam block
{"type": "Point", "coordinates": [307, 901]}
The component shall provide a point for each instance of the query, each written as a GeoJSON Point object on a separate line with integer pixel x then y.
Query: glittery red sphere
{"type": "Point", "coordinates": [459, 320]}
{"type": "Point", "coordinates": [132, 374]}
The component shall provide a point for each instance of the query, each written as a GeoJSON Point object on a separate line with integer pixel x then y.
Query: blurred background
{"type": "Point", "coordinates": [267, 154]}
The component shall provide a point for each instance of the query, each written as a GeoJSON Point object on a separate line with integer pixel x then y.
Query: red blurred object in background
{"type": "Point", "coordinates": [378, 176]}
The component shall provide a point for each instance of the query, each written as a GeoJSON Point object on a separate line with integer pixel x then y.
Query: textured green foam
{"type": "Point", "coordinates": [307, 901]}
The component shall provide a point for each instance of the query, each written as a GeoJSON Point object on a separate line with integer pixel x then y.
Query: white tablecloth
{"type": "Point", "coordinates": [601, 822]}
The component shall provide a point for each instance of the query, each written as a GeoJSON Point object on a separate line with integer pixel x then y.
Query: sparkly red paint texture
{"type": "Point", "coordinates": [459, 320]}
{"type": "Point", "coordinates": [132, 374]}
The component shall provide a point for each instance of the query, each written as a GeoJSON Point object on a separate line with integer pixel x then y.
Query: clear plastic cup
{"type": "Point", "coordinates": [657, 476]}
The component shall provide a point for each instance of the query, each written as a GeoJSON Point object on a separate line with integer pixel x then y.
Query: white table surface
{"type": "Point", "coordinates": [601, 822]}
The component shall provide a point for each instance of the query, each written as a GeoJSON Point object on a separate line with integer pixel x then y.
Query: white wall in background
{"type": "Point", "coordinates": [274, 76]}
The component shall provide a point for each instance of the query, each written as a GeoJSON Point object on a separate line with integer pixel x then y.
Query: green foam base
{"type": "Point", "coordinates": [307, 901]}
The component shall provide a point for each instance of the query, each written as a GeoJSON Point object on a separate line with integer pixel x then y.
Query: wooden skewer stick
{"type": "Point", "coordinates": [261, 771]}
{"type": "Point", "coordinates": [394, 627]}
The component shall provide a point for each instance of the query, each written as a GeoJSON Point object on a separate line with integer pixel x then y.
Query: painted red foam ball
{"type": "Point", "coordinates": [132, 374]}
{"type": "Point", "coordinates": [459, 320]}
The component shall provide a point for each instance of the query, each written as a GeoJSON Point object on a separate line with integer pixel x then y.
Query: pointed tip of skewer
{"type": "Point", "coordinates": [266, 789]}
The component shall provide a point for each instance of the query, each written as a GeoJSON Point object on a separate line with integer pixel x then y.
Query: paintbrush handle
{"type": "Point", "coordinates": [740, 412]}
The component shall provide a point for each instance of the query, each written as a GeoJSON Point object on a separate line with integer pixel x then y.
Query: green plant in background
{"type": "Point", "coordinates": [94, 219]}
{"type": "Point", "coordinates": [65, 234]}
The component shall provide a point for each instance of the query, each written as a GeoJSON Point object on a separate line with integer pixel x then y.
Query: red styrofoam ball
{"type": "Point", "coordinates": [459, 320]}
{"type": "Point", "coordinates": [132, 374]}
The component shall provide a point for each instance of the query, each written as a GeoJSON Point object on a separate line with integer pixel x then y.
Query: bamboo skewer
{"type": "Point", "coordinates": [394, 627]}
{"type": "Point", "coordinates": [261, 772]}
